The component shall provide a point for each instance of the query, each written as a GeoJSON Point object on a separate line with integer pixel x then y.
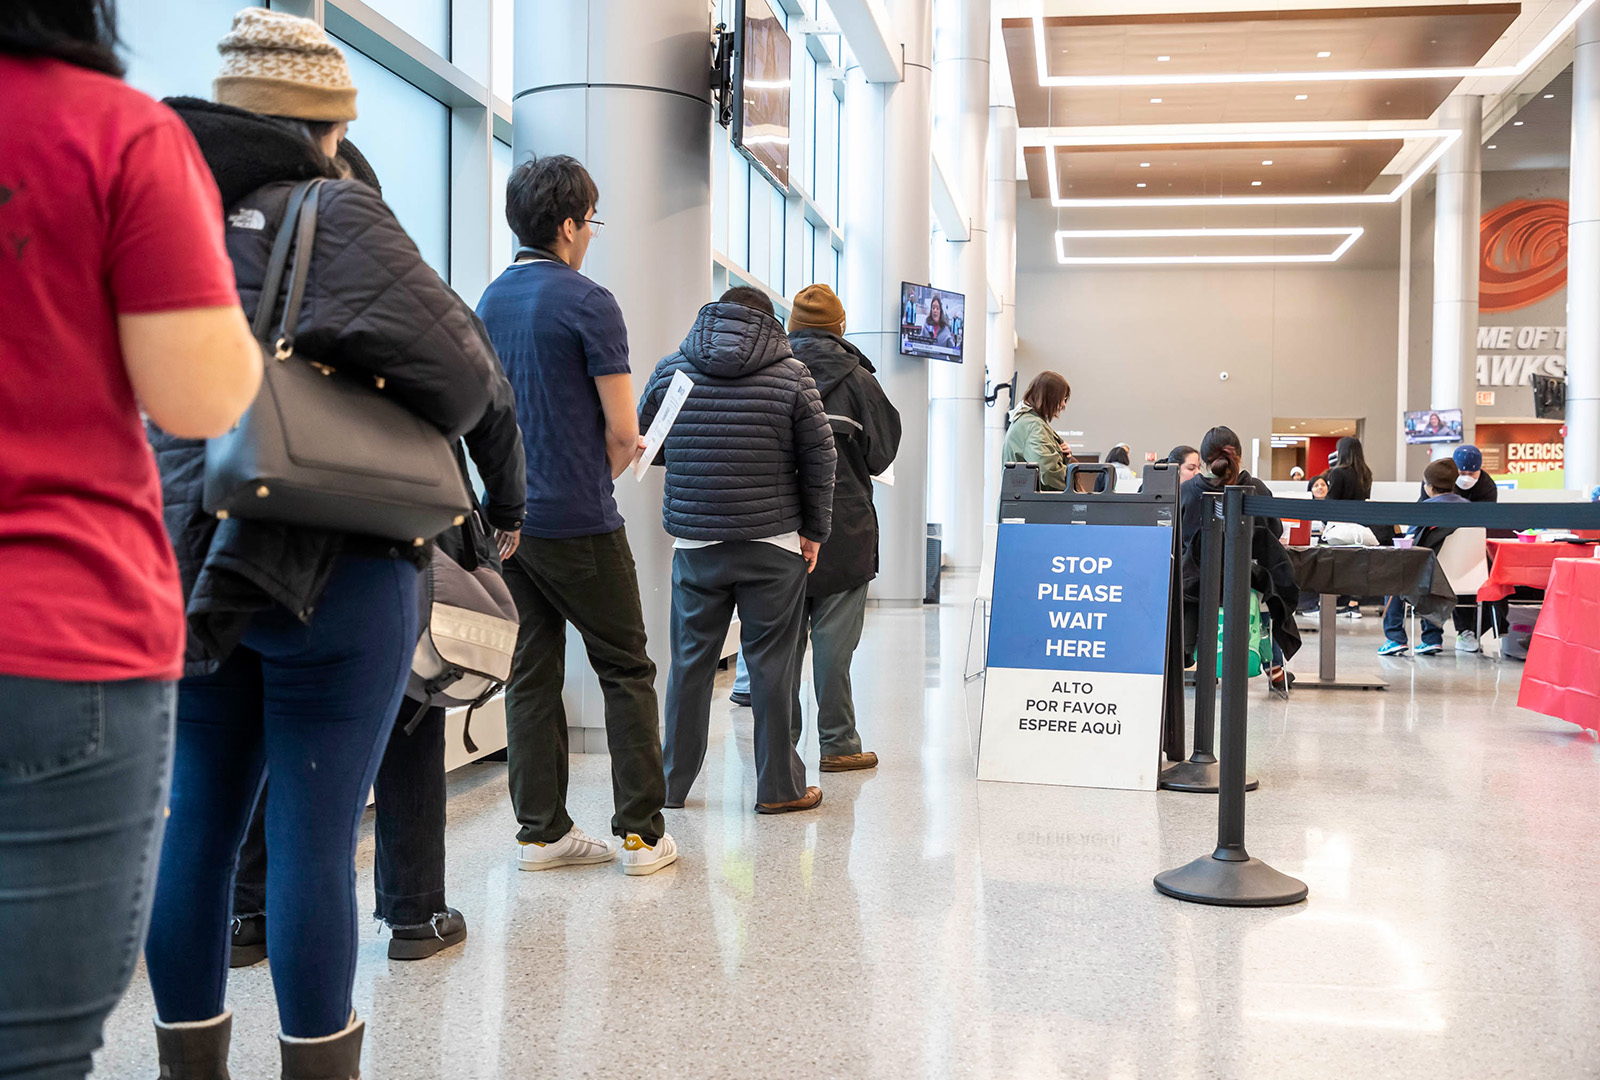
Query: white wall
{"type": "Point", "coordinates": [1144, 347]}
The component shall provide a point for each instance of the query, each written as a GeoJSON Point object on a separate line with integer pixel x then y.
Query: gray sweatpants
{"type": "Point", "coordinates": [768, 585]}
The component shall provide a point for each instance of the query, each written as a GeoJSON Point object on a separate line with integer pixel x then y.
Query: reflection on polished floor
{"type": "Point", "coordinates": [923, 925]}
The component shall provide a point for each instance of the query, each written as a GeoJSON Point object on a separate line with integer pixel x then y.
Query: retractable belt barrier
{"type": "Point", "coordinates": [1229, 875]}
{"type": "Point", "coordinates": [1450, 515]}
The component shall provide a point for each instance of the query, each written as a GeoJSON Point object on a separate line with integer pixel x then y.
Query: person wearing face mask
{"type": "Point", "coordinates": [1475, 486]}
{"type": "Point", "coordinates": [1187, 459]}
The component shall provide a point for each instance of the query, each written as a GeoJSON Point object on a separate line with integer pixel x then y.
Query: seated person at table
{"type": "Point", "coordinates": [1439, 484]}
{"type": "Point", "coordinates": [1477, 487]}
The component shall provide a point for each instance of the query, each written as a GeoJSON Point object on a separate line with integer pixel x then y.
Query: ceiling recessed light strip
{"type": "Point", "coordinates": [1221, 78]}
{"type": "Point", "coordinates": [1443, 138]}
{"type": "Point", "coordinates": [1350, 234]}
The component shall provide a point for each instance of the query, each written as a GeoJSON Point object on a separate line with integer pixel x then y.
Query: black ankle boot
{"type": "Point", "coordinates": [196, 1050]}
{"type": "Point", "coordinates": [249, 941]}
{"type": "Point", "coordinates": [421, 942]}
{"type": "Point", "coordinates": [331, 1057]}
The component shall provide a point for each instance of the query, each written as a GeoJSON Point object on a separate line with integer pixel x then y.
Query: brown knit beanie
{"type": "Point", "coordinates": [816, 308]}
{"type": "Point", "coordinates": [283, 65]}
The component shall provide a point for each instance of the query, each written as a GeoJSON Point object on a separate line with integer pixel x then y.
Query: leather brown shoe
{"type": "Point", "coordinates": [808, 801]}
{"type": "Point", "coordinates": [849, 762]}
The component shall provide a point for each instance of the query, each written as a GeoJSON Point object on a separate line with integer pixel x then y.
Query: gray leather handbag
{"type": "Point", "coordinates": [322, 448]}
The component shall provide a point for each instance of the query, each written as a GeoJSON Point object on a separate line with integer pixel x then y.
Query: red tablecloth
{"type": "Point", "coordinates": [1562, 675]}
{"type": "Point", "coordinates": [1513, 563]}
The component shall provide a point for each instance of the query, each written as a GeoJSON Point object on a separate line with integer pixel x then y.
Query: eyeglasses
{"type": "Point", "coordinates": [595, 225]}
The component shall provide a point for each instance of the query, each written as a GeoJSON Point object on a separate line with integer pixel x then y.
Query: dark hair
{"type": "Point", "coordinates": [750, 298]}
{"type": "Point", "coordinates": [341, 164]}
{"type": "Point", "coordinates": [1351, 456]}
{"type": "Point", "coordinates": [1117, 455]}
{"type": "Point", "coordinates": [1311, 485]}
{"type": "Point", "coordinates": [544, 193]}
{"type": "Point", "coordinates": [1213, 453]}
{"type": "Point", "coordinates": [1441, 475]}
{"type": "Point", "coordinates": [1047, 394]}
{"type": "Point", "coordinates": [82, 32]}
{"type": "Point", "coordinates": [1180, 453]}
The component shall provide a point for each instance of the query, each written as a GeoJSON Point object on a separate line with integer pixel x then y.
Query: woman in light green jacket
{"type": "Point", "coordinates": [1033, 439]}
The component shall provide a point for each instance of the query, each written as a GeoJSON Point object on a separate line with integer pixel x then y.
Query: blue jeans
{"type": "Point", "coordinates": [83, 778]}
{"type": "Point", "coordinates": [741, 675]}
{"type": "Point", "coordinates": [313, 704]}
{"type": "Point", "coordinates": [1394, 624]}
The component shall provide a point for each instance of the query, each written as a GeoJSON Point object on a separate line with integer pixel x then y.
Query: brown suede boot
{"type": "Point", "coordinates": [330, 1057]}
{"type": "Point", "coordinates": [195, 1050]}
{"type": "Point", "coordinates": [849, 762]}
{"type": "Point", "coordinates": [810, 799]}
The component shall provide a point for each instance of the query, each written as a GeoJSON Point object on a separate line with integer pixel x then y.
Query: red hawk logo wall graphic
{"type": "Point", "coordinates": [1524, 254]}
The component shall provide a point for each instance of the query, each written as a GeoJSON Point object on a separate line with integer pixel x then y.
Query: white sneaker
{"type": "Point", "coordinates": [1467, 641]}
{"type": "Point", "coordinates": [639, 858]}
{"type": "Point", "coordinates": [573, 849]}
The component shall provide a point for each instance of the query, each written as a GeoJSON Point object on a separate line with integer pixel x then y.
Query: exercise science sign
{"type": "Point", "coordinates": [1077, 651]}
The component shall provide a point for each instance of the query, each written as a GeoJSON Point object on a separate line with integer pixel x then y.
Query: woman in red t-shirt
{"type": "Point", "coordinates": [118, 296]}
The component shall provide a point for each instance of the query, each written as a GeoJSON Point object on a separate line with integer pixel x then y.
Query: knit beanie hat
{"type": "Point", "coordinates": [283, 65]}
{"type": "Point", "coordinates": [816, 308]}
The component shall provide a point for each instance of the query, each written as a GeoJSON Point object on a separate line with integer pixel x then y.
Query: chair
{"type": "Point", "coordinates": [980, 603]}
{"type": "Point", "coordinates": [1464, 560]}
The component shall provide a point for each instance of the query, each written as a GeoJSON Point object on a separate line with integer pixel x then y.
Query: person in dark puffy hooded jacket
{"type": "Point", "coordinates": [749, 499]}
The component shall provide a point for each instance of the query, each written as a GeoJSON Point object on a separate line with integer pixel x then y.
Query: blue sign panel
{"type": "Point", "coordinates": [1081, 598]}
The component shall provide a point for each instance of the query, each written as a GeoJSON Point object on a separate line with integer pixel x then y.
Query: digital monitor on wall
{"type": "Point", "coordinates": [933, 322]}
{"type": "Point", "coordinates": [1433, 426]}
{"type": "Point", "coordinates": [761, 116]}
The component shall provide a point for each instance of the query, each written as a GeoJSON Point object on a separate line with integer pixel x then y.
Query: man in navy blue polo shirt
{"type": "Point", "coordinates": [564, 346]}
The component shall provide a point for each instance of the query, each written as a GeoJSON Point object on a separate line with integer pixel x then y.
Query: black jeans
{"type": "Point", "coordinates": [409, 825]}
{"type": "Point", "coordinates": [590, 582]}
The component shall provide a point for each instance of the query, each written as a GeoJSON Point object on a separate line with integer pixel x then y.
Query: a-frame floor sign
{"type": "Point", "coordinates": [1085, 677]}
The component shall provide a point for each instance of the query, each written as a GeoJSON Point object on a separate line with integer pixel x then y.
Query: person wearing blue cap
{"type": "Point", "coordinates": [1474, 486]}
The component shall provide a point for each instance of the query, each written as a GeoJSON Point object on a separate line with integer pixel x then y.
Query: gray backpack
{"type": "Point", "coordinates": [469, 632]}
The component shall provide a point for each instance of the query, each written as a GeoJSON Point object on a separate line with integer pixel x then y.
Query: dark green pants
{"type": "Point", "coordinates": [590, 582]}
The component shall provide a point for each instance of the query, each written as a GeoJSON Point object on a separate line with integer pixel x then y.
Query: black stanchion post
{"type": "Point", "coordinates": [1229, 876]}
{"type": "Point", "coordinates": [1199, 774]}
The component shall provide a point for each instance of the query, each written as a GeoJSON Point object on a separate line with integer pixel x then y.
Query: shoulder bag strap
{"type": "Point", "coordinates": [268, 301]}
{"type": "Point", "coordinates": [306, 234]}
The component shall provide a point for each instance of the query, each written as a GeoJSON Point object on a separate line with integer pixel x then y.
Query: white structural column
{"type": "Point", "coordinates": [1457, 209]}
{"type": "Point", "coordinates": [1002, 345]}
{"type": "Point", "coordinates": [961, 137]}
{"type": "Point", "coordinates": [1582, 466]}
{"type": "Point", "coordinates": [886, 195]}
{"type": "Point", "coordinates": [622, 86]}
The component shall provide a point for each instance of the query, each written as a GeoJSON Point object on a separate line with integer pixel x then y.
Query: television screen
{"type": "Point", "coordinates": [1433, 426]}
{"type": "Point", "coordinates": [761, 117]}
{"type": "Point", "coordinates": [932, 322]}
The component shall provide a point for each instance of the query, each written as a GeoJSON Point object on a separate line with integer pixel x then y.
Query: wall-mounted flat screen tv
{"type": "Point", "coordinates": [761, 114]}
{"type": "Point", "coordinates": [933, 322]}
{"type": "Point", "coordinates": [1433, 426]}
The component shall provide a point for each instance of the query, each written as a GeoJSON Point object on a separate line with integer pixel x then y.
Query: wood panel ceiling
{"type": "Point", "coordinates": [1302, 168]}
{"type": "Point", "coordinates": [1242, 42]}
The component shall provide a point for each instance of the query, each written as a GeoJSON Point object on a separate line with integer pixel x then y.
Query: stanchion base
{"type": "Point", "coordinates": [1338, 682]}
{"type": "Point", "coordinates": [1210, 880]}
{"type": "Point", "coordinates": [1201, 778]}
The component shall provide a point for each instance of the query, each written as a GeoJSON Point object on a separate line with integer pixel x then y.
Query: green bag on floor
{"type": "Point", "coordinates": [1258, 657]}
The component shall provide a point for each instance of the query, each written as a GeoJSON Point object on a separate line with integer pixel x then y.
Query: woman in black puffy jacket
{"type": "Point", "coordinates": [301, 639]}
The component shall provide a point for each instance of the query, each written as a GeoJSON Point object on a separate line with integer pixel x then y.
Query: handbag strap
{"type": "Point", "coordinates": [306, 234]}
{"type": "Point", "coordinates": [276, 262]}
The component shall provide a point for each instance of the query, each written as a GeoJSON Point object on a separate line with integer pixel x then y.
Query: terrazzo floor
{"type": "Point", "coordinates": [923, 925]}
